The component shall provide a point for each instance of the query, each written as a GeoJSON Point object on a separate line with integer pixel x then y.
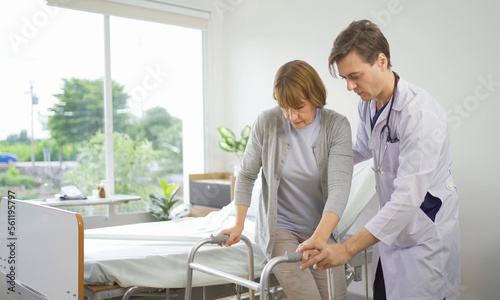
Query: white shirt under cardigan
{"type": "Point", "coordinates": [266, 152]}
{"type": "Point", "coordinates": [300, 199]}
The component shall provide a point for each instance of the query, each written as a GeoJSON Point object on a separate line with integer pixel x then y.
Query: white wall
{"type": "Point", "coordinates": [450, 48]}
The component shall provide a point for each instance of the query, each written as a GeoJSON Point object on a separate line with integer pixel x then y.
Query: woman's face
{"type": "Point", "coordinates": [302, 115]}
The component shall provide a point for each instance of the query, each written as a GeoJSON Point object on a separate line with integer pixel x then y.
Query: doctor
{"type": "Point", "coordinates": [404, 129]}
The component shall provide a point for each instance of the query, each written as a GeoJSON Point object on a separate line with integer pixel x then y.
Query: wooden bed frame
{"type": "Point", "coordinates": [37, 251]}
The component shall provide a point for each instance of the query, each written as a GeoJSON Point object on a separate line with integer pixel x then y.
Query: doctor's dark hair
{"type": "Point", "coordinates": [365, 38]}
{"type": "Point", "coordinates": [295, 79]}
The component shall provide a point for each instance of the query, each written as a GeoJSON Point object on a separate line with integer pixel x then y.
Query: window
{"type": "Point", "coordinates": [54, 61]}
{"type": "Point", "coordinates": [161, 66]}
{"type": "Point", "coordinates": [44, 55]}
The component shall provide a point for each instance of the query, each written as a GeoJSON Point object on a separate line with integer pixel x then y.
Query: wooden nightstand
{"type": "Point", "coordinates": [209, 192]}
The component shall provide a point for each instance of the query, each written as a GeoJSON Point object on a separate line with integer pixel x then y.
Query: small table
{"type": "Point", "coordinates": [111, 199]}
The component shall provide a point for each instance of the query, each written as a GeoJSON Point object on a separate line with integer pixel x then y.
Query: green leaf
{"type": "Point", "coordinates": [161, 206]}
{"type": "Point", "coordinates": [244, 142]}
{"type": "Point", "coordinates": [225, 133]}
{"type": "Point", "coordinates": [164, 185]}
{"type": "Point", "coordinates": [172, 190]}
{"type": "Point", "coordinates": [170, 205]}
{"type": "Point", "coordinates": [231, 142]}
{"type": "Point", "coordinates": [241, 147]}
{"type": "Point", "coordinates": [245, 133]}
{"type": "Point", "coordinates": [226, 147]}
{"type": "Point", "coordinates": [169, 190]}
{"type": "Point", "coordinates": [157, 201]}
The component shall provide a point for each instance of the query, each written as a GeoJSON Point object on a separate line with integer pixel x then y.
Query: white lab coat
{"type": "Point", "coordinates": [420, 258]}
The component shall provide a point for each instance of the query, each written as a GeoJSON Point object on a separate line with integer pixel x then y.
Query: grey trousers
{"type": "Point", "coordinates": [308, 284]}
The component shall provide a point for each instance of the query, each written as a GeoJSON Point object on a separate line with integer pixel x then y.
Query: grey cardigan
{"type": "Point", "coordinates": [267, 149]}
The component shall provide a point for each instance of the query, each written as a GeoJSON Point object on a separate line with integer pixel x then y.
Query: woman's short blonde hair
{"type": "Point", "coordinates": [297, 79]}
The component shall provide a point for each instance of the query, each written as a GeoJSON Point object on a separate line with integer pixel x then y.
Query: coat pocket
{"type": "Point", "coordinates": [391, 159]}
{"type": "Point", "coordinates": [420, 229]}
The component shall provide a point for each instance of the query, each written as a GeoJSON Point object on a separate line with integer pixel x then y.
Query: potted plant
{"type": "Point", "coordinates": [231, 144]}
{"type": "Point", "coordinates": [162, 205]}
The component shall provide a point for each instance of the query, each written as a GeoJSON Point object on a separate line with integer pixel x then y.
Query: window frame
{"type": "Point", "coordinates": [142, 10]}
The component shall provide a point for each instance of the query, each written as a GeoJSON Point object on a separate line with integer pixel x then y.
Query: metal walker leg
{"type": "Point", "coordinates": [262, 287]}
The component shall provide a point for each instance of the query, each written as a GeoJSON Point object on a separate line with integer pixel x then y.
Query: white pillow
{"type": "Point", "coordinates": [229, 209]}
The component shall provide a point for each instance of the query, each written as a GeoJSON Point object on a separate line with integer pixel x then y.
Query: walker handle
{"type": "Point", "coordinates": [294, 256]}
{"type": "Point", "coordinates": [218, 239]}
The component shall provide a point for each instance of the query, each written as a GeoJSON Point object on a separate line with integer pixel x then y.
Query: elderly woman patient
{"type": "Point", "coordinates": [305, 154]}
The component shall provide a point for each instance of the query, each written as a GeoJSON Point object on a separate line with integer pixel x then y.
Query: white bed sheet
{"type": "Point", "coordinates": [155, 254]}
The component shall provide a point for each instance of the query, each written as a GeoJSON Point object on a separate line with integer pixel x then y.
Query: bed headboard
{"type": "Point", "coordinates": [42, 250]}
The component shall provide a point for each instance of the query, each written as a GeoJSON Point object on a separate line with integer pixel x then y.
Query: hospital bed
{"type": "Point", "coordinates": [52, 257]}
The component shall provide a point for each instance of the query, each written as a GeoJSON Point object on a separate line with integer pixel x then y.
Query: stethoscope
{"type": "Point", "coordinates": [386, 129]}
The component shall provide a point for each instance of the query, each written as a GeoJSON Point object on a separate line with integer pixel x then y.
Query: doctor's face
{"type": "Point", "coordinates": [302, 115]}
{"type": "Point", "coordinates": [362, 78]}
